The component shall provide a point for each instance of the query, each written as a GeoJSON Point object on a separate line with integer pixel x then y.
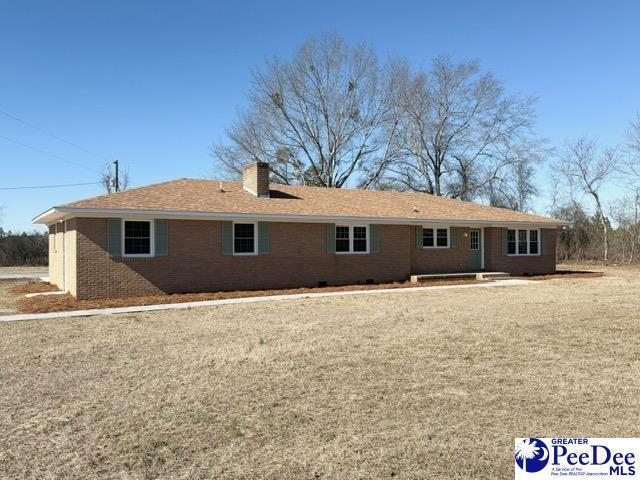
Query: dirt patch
{"type": "Point", "coordinates": [565, 274]}
{"type": "Point", "coordinates": [62, 303]}
{"type": "Point", "coordinates": [34, 286]}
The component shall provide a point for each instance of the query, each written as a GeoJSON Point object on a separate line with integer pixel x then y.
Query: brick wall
{"type": "Point", "coordinates": [441, 260]}
{"type": "Point", "coordinates": [297, 258]}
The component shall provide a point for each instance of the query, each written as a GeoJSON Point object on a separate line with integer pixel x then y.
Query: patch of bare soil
{"type": "Point", "coordinates": [34, 286]}
{"type": "Point", "coordinates": [62, 303]}
{"type": "Point", "coordinates": [565, 274]}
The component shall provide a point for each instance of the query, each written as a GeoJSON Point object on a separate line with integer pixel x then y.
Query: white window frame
{"type": "Point", "coordinates": [255, 239]}
{"type": "Point", "coordinates": [152, 238]}
{"type": "Point", "coordinates": [435, 229]}
{"type": "Point", "coordinates": [528, 254]}
{"type": "Point", "coordinates": [350, 226]}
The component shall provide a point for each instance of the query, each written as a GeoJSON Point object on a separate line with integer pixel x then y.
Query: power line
{"type": "Point", "coordinates": [49, 186]}
{"type": "Point", "coordinates": [44, 152]}
{"type": "Point", "coordinates": [60, 139]}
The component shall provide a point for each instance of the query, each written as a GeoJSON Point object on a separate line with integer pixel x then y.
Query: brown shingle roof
{"type": "Point", "coordinates": [194, 195]}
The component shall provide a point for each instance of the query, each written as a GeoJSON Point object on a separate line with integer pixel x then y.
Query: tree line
{"type": "Point", "coordinates": [23, 248]}
{"type": "Point", "coordinates": [334, 115]}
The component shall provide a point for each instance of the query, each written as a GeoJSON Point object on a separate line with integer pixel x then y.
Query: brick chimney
{"type": "Point", "coordinates": [255, 179]}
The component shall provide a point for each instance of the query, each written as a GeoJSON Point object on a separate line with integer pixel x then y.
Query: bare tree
{"type": "Point", "coordinates": [108, 181]}
{"type": "Point", "coordinates": [324, 118]}
{"type": "Point", "coordinates": [632, 165]}
{"type": "Point", "coordinates": [626, 215]}
{"type": "Point", "coordinates": [587, 167]}
{"type": "Point", "coordinates": [458, 129]}
{"type": "Point", "coordinates": [514, 186]}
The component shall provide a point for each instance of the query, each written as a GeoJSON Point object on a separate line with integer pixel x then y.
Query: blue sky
{"type": "Point", "coordinates": [153, 84]}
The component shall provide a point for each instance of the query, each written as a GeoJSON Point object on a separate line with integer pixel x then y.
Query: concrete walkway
{"type": "Point", "coordinates": [271, 298]}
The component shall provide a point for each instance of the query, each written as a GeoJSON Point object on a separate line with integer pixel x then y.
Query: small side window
{"type": "Point", "coordinates": [137, 238]}
{"type": "Point", "coordinates": [244, 238]}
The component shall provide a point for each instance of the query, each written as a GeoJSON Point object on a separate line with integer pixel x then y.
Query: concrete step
{"type": "Point", "coordinates": [493, 275]}
{"type": "Point", "coordinates": [427, 277]}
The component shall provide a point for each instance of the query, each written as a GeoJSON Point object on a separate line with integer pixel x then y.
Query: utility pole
{"type": "Point", "coordinates": [117, 179]}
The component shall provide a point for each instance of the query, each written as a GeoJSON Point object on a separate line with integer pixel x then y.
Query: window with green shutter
{"type": "Point", "coordinates": [435, 237]}
{"type": "Point", "coordinates": [138, 238]}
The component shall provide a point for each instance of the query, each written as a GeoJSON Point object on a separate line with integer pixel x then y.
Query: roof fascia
{"type": "Point", "coordinates": [61, 213]}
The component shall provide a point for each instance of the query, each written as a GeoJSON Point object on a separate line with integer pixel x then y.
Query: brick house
{"type": "Point", "coordinates": [192, 235]}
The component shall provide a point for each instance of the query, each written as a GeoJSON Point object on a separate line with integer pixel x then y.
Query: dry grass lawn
{"type": "Point", "coordinates": [8, 298]}
{"type": "Point", "coordinates": [43, 270]}
{"type": "Point", "coordinates": [404, 385]}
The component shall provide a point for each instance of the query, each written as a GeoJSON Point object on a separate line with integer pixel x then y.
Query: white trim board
{"type": "Point", "coordinates": [57, 214]}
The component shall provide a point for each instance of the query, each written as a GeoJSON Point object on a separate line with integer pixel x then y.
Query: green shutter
{"type": "Point", "coordinates": [161, 232]}
{"type": "Point", "coordinates": [114, 237]}
{"type": "Point", "coordinates": [419, 240]}
{"type": "Point", "coordinates": [263, 237]}
{"type": "Point", "coordinates": [505, 237]}
{"type": "Point", "coordinates": [374, 238]}
{"type": "Point", "coordinates": [546, 240]}
{"type": "Point", "coordinates": [331, 238]}
{"type": "Point", "coordinates": [453, 241]}
{"type": "Point", "coordinates": [226, 238]}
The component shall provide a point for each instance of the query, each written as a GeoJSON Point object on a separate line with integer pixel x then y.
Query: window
{"type": "Point", "coordinates": [511, 242]}
{"type": "Point", "coordinates": [244, 239]}
{"type": "Point", "coordinates": [435, 237]}
{"type": "Point", "coordinates": [352, 239]}
{"type": "Point", "coordinates": [523, 242]}
{"type": "Point", "coordinates": [137, 238]}
{"type": "Point", "coordinates": [359, 239]}
{"type": "Point", "coordinates": [474, 239]}
{"type": "Point", "coordinates": [443, 238]}
{"type": "Point", "coordinates": [342, 239]}
{"type": "Point", "coordinates": [427, 237]}
{"type": "Point", "coordinates": [533, 242]}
